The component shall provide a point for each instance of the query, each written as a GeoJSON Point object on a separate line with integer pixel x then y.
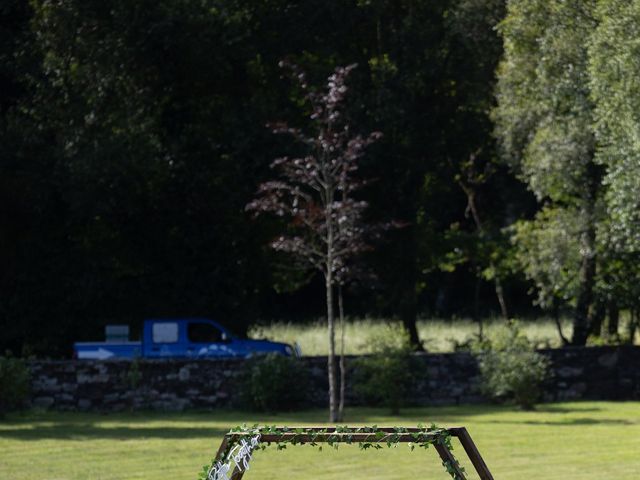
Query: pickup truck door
{"type": "Point", "coordinates": [162, 339]}
{"type": "Point", "coordinates": [205, 339]}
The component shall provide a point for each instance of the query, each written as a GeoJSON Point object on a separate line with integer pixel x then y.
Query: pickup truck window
{"type": "Point", "coordinates": [165, 332]}
{"type": "Point", "coordinates": [203, 333]}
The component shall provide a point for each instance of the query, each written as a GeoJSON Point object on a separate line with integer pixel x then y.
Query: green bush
{"type": "Point", "coordinates": [384, 377]}
{"type": "Point", "coordinates": [133, 375]}
{"type": "Point", "coordinates": [511, 369]}
{"type": "Point", "coordinates": [14, 383]}
{"type": "Point", "coordinates": [273, 383]}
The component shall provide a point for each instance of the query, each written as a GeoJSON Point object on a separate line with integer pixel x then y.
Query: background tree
{"type": "Point", "coordinates": [548, 252]}
{"type": "Point", "coordinates": [476, 243]}
{"type": "Point", "coordinates": [132, 139]}
{"type": "Point", "coordinates": [470, 178]}
{"type": "Point", "coordinates": [313, 192]}
{"type": "Point", "coordinates": [615, 88]}
{"type": "Point", "coordinates": [128, 148]}
{"type": "Point", "coordinates": [544, 120]}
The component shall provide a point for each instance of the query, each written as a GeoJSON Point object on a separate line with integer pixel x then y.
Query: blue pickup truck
{"type": "Point", "coordinates": [179, 338]}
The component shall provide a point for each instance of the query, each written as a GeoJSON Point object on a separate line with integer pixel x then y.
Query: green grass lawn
{"type": "Point", "coordinates": [587, 440]}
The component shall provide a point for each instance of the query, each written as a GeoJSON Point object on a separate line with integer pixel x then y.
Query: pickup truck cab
{"type": "Point", "coordinates": [181, 338]}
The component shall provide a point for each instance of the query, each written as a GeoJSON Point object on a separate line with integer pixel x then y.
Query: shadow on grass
{"type": "Point", "coordinates": [34, 425]}
{"type": "Point", "coordinates": [38, 425]}
{"type": "Point", "coordinates": [80, 431]}
{"type": "Point", "coordinates": [559, 408]}
{"type": "Point", "coordinates": [568, 422]}
{"type": "Point", "coordinates": [475, 410]}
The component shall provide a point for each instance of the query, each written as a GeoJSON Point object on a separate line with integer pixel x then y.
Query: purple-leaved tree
{"type": "Point", "coordinates": [315, 193]}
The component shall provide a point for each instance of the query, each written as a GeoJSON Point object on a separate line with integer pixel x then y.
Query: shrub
{"type": "Point", "coordinates": [133, 375]}
{"type": "Point", "coordinates": [14, 383]}
{"type": "Point", "coordinates": [384, 377]}
{"type": "Point", "coordinates": [273, 383]}
{"type": "Point", "coordinates": [511, 369]}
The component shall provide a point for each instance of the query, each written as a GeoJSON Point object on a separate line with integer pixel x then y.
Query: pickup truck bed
{"type": "Point", "coordinates": [105, 350]}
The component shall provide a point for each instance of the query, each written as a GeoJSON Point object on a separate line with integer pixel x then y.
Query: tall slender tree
{"type": "Point", "coordinates": [313, 192]}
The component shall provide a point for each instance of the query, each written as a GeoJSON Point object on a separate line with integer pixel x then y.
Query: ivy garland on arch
{"type": "Point", "coordinates": [234, 455]}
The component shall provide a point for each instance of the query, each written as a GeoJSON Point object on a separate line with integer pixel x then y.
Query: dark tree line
{"type": "Point", "coordinates": [132, 135]}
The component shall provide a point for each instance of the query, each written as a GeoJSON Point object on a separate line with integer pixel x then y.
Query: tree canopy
{"type": "Point", "coordinates": [132, 135]}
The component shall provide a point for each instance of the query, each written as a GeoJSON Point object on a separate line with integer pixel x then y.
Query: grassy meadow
{"type": "Point", "coordinates": [437, 335]}
{"type": "Point", "coordinates": [586, 440]}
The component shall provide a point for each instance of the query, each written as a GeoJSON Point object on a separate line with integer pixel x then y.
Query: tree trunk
{"type": "Point", "coordinates": [633, 325]}
{"type": "Point", "coordinates": [408, 317]}
{"type": "Point", "coordinates": [585, 298]}
{"type": "Point", "coordinates": [587, 273]}
{"type": "Point", "coordinates": [500, 295]}
{"type": "Point", "coordinates": [614, 319]}
{"type": "Point", "coordinates": [476, 305]}
{"type": "Point", "coordinates": [331, 359]}
{"type": "Point", "coordinates": [343, 370]}
{"type": "Point", "coordinates": [556, 319]}
{"type": "Point", "coordinates": [408, 301]}
{"type": "Point", "coordinates": [597, 319]}
{"type": "Point", "coordinates": [471, 206]}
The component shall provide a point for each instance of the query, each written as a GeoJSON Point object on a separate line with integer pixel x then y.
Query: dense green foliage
{"type": "Point", "coordinates": [274, 383]}
{"type": "Point", "coordinates": [14, 383]}
{"type": "Point", "coordinates": [544, 120]}
{"type": "Point", "coordinates": [511, 368]}
{"type": "Point", "coordinates": [132, 135]}
{"type": "Point", "coordinates": [615, 89]}
{"type": "Point", "coordinates": [567, 92]}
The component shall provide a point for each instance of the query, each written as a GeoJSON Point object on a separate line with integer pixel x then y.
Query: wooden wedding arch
{"type": "Point", "coordinates": [231, 461]}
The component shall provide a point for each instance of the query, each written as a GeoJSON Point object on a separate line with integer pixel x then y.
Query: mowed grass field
{"type": "Point", "coordinates": [586, 441]}
{"type": "Point", "coordinates": [437, 335]}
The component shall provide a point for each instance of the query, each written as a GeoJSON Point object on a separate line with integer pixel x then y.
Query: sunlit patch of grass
{"type": "Point", "coordinates": [437, 335]}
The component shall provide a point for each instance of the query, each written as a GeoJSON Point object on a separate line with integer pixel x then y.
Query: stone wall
{"type": "Point", "coordinates": [595, 373]}
{"type": "Point", "coordinates": [603, 373]}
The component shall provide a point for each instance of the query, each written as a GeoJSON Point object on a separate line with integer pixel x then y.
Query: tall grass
{"type": "Point", "coordinates": [437, 335]}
